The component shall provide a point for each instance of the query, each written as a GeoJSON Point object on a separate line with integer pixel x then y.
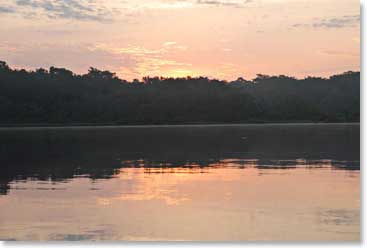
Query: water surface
{"type": "Point", "coordinates": [218, 182]}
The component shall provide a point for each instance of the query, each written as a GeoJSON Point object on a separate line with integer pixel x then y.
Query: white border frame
{"type": "Point", "coordinates": [363, 150]}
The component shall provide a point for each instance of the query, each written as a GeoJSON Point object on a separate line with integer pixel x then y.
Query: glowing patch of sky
{"type": "Point", "coordinates": [215, 38]}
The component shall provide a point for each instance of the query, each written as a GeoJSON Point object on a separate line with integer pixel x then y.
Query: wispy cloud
{"type": "Point", "coordinates": [102, 11]}
{"type": "Point", "coordinates": [78, 57]}
{"type": "Point", "coordinates": [335, 22]}
{"type": "Point", "coordinates": [182, 4]}
{"type": "Point", "coordinates": [6, 9]}
{"type": "Point", "coordinates": [233, 3]}
{"type": "Point", "coordinates": [339, 53]}
{"type": "Point", "coordinates": [67, 9]}
{"type": "Point", "coordinates": [147, 61]}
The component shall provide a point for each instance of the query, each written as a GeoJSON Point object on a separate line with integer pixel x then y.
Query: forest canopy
{"type": "Point", "coordinates": [60, 97]}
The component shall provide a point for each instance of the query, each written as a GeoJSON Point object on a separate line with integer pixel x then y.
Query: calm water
{"type": "Point", "coordinates": [236, 182]}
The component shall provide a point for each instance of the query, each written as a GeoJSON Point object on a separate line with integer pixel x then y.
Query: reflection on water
{"type": "Point", "coordinates": [283, 182]}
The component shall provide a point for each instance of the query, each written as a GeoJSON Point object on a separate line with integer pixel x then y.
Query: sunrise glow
{"type": "Point", "coordinates": [220, 38]}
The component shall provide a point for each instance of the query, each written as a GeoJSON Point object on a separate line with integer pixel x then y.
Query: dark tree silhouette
{"type": "Point", "coordinates": [58, 96]}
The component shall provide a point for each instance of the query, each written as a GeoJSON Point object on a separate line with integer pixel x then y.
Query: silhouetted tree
{"type": "Point", "coordinates": [60, 96]}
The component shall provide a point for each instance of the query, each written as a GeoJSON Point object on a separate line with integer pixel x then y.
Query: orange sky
{"type": "Point", "coordinates": [216, 38]}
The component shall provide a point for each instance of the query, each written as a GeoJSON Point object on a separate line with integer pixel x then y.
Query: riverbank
{"type": "Point", "coordinates": [111, 125]}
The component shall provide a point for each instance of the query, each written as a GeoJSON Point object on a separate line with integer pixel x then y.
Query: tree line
{"type": "Point", "coordinates": [59, 96]}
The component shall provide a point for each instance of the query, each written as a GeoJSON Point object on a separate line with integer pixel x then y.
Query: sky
{"type": "Point", "coordinates": [223, 39]}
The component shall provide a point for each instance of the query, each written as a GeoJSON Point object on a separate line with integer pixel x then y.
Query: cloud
{"type": "Point", "coordinates": [67, 9]}
{"type": "Point", "coordinates": [78, 57]}
{"type": "Point", "coordinates": [174, 4]}
{"type": "Point", "coordinates": [97, 10]}
{"type": "Point", "coordinates": [234, 3]}
{"type": "Point", "coordinates": [6, 9]}
{"type": "Point", "coordinates": [335, 22]}
{"type": "Point", "coordinates": [339, 53]}
{"type": "Point", "coordinates": [147, 61]}
{"type": "Point", "coordinates": [169, 43]}
{"type": "Point", "coordinates": [344, 21]}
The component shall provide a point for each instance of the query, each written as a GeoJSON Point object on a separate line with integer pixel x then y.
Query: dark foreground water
{"type": "Point", "coordinates": [237, 182]}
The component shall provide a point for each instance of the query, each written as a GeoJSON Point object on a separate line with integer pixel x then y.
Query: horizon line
{"type": "Point", "coordinates": [114, 74]}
